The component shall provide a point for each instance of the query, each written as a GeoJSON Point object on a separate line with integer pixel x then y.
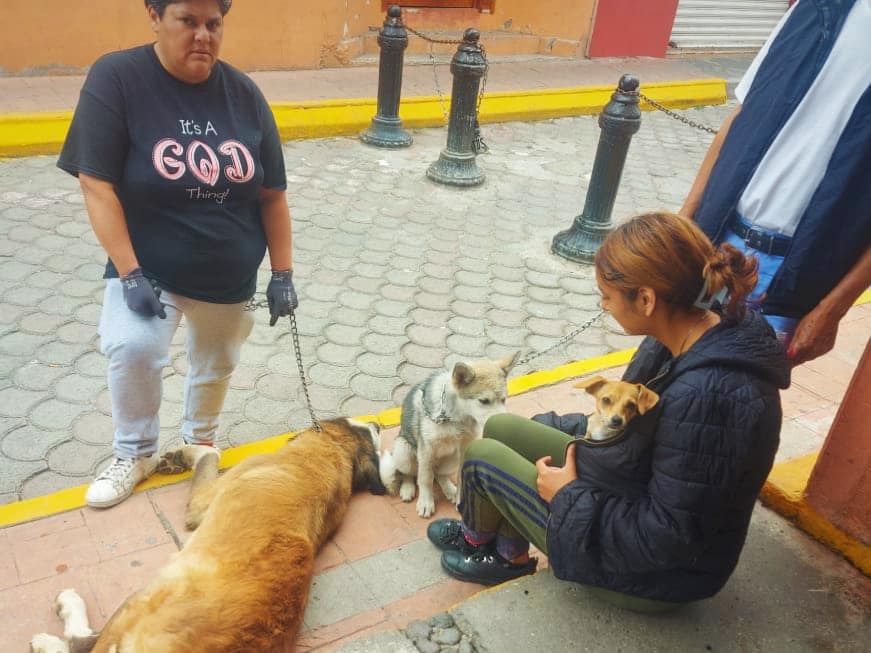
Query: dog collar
{"type": "Point", "coordinates": [442, 416]}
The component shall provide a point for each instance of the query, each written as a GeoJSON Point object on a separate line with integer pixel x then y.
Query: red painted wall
{"type": "Point", "coordinates": [840, 484]}
{"type": "Point", "coordinates": [628, 28]}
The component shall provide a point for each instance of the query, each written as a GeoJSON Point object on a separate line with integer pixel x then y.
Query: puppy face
{"type": "Point", "coordinates": [617, 402]}
{"type": "Point", "coordinates": [481, 385]}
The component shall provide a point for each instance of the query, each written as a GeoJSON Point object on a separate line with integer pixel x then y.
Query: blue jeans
{"type": "Point", "coordinates": [769, 264]}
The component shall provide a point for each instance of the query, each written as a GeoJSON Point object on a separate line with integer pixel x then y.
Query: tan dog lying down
{"type": "Point", "coordinates": [241, 582]}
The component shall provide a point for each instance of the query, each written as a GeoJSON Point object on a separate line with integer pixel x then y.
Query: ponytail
{"type": "Point", "coordinates": [729, 270]}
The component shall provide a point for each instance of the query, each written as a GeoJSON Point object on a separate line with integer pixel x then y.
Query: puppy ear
{"type": "Point", "coordinates": [592, 385]}
{"type": "Point", "coordinates": [462, 375]}
{"type": "Point", "coordinates": [647, 399]}
{"type": "Point", "coordinates": [507, 363]}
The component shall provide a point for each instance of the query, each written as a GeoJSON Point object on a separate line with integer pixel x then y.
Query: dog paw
{"type": "Point", "coordinates": [71, 608]}
{"type": "Point", "coordinates": [425, 507]}
{"type": "Point", "coordinates": [173, 462]}
{"type": "Point", "coordinates": [450, 491]}
{"type": "Point", "coordinates": [45, 643]}
{"type": "Point", "coordinates": [406, 491]}
{"type": "Point", "coordinates": [68, 603]}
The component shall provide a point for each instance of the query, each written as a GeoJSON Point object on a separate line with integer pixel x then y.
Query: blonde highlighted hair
{"type": "Point", "coordinates": [670, 254]}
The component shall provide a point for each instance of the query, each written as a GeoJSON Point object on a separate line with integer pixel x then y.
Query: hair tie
{"type": "Point", "coordinates": [714, 302]}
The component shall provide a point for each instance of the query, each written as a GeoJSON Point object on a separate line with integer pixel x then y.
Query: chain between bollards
{"type": "Point", "coordinates": [619, 120]}
{"type": "Point", "coordinates": [478, 145]}
{"type": "Point", "coordinates": [456, 165]}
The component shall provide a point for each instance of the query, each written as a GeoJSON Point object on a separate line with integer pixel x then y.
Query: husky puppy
{"type": "Point", "coordinates": [440, 417]}
{"type": "Point", "coordinates": [241, 582]}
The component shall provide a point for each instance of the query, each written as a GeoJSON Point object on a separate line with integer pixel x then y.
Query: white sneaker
{"type": "Point", "coordinates": [116, 482]}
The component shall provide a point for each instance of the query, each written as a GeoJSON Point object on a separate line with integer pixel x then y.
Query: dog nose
{"type": "Point", "coordinates": [616, 421]}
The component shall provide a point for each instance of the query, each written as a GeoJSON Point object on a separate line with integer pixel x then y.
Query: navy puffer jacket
{"type": "Point", "coordinates": [662, 512]}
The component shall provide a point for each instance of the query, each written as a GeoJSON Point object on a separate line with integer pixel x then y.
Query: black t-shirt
{"type": "Point", "coordinates": [187, 162]}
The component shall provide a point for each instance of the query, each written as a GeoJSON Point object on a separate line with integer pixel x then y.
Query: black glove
{"type": "Point", "coordinates": [280, 295]}
{"type": "Point", "coordinates": [142, 295]}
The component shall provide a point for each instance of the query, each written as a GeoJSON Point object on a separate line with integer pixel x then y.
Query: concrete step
{"type": "Point", "coordinates": [444, 59]}
{"type": "Point", "coordinates": [495, 43]}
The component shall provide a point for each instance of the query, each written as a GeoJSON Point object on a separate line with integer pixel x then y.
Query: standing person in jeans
{"type": "Point", "coordinates": [182, 171]}
{"type": "Point", "coordinates": [657, 516]}
{"type": "Point", "coordinates": [786, 177]}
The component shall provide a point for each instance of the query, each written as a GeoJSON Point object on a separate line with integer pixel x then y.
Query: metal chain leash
{"type": "Point", "coordinates": [479, 145]}
{"type": "Point", "coordinates": [675, 115]}
{"type": "Point", "coordinates": [294, 333]}
{"type": "Point", "coordinates": [566, 338]}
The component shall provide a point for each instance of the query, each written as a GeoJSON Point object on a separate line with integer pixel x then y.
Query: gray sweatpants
{"type": "Point", "coordinates": [138, 349]}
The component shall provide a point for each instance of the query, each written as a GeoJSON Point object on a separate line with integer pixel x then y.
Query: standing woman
{"type": "Point", "coordinates": [657, 516]}
{"type": "Point", "coordinates": [181, 167]}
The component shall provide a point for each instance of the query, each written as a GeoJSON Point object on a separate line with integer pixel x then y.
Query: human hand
{"type": "Point", "coordinates": [814, 336]}
{"type": "Point", "coordinates": [281, 295]}
{"type": "Point", "coordinates": [552, 479]}
{"type": "Point", "coordinates": [142, 296]}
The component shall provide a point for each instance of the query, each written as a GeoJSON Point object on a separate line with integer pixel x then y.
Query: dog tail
{"type": "Point", "coordinates": [387, 471]}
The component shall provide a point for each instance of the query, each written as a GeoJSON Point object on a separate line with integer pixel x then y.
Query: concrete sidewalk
{"type": "Point", "coordinates": [60, 93]}
{"type": "Point", "coordinates": [379, 587]}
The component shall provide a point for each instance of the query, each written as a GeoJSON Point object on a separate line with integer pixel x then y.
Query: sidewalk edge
{"type": "Point", "coordinates": [28, 134]}
{"type": "Point", "coordinates": [783, 492]}
{"type": "Point", "coordinates": [73, 498]}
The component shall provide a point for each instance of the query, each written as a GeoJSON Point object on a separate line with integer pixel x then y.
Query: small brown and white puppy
{"type": "Point", "coordinates": [242, 580]}
{"type": "Point", "coordinates": [617, 402]}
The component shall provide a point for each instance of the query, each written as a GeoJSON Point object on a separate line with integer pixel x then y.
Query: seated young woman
{"type": "Point", "coordinates": [658, 516]}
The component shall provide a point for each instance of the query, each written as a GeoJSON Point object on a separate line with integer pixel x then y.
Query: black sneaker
{"type": "Point", "coordinates": [447, 535]}
{"type": "Point", "coordinates": [484, 567]}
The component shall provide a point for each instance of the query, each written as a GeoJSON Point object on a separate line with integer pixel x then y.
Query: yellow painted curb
{"type": "Point", "coordinates": [784, 489]}
{"type": "Point", "coordinates": [24, 134]}
{"type": "Point", "coordinates": [73, 498]}
{"type": "Point", "coordinates": [579, 368]}
{"type": "Point", "coordinates": [28, 134]}
{"type": "Point", "coordinates": [784, 493]}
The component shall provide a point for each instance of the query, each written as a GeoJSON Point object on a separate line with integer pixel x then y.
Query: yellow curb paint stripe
{"type": "Point", "coordinates": [785, 485]}
{"type": "Point", "coordinates": [27, 134]}
{"type": "Point", "coordinates": [50, 504]}
{"type": "Point", "coordinates": [74, 498]}
{"type": "Point", "coordinates": [821, 529]}
{"type": "Point", "coordinates": [783, 492]}
{"type": "Point", "coordinates": [571, 370]}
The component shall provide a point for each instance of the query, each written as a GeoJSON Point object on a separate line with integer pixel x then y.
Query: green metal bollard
{"type": "Point", "coordinates": [386, 128]}
{"type": "Point", "coordinates": [456, 165]}
{"type": "Point", "coordinates": [619, 120]}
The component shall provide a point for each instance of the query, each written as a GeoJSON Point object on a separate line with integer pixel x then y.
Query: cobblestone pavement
{"type": "Point", "coordinates": [397, 276]}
